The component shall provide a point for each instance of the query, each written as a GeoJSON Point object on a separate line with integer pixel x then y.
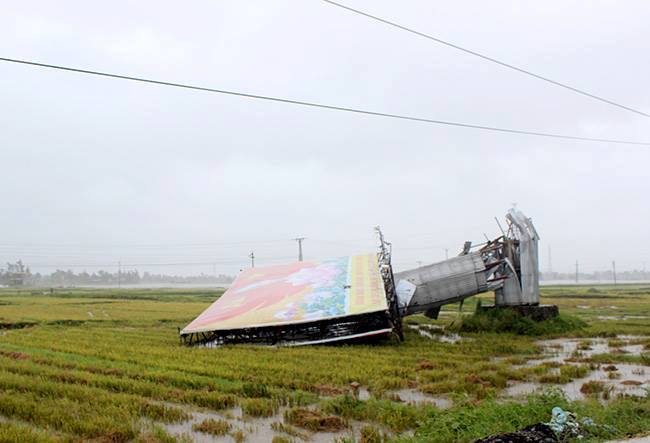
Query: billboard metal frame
{"type": "Point", "coordinates": [320, 331]}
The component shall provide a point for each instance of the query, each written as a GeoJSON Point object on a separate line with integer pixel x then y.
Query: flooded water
{"type": "Point", "coordinates": [622, 317]}
{"type": "Point", "coordinates": [436, 332]}
{"type": "Point", "coordinates": [255, 429]}
{"type": "Point", "coordinates": [410, 396]}
{"type": "Point", "coordinates": [630, 380]}
{"type": "Point", "coordinates": [415, 397]}
{"type": "Point", "coordinates": [616, 379]}
{"type": "Point", "coordinates": [589, 282]}
{"type": "Point", "coordinates": [645, 439]}
{"type": "Point", "coordinates": [363, 393]}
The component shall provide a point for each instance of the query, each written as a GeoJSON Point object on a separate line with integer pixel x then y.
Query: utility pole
{"type": "Point", "coordinates": [550, 261]}
{"type": "Point", "coordinates": [299, 240]}
{"type": "Point", "coordinates": [576, 271]}
{"type": "Point", "coordinates": [252, 257]}
{"type": "Point", "coordinates": [119, 274]}
{"type": "Point", "coordinates": [446, 253]}
{"type": "Point", "coordinates": [614, 270]}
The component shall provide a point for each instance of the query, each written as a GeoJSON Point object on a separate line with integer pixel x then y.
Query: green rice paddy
{"type": "Point", "coordinates": [106, 365]}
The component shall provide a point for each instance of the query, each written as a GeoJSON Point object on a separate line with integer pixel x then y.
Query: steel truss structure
{"type": "Point", "coordinates": [295, 334]}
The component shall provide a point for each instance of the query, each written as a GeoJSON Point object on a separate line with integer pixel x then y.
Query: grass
{"type": "Point", "coordinates": [67, 375]}
{"type": "Point", "coordinates": [509, 321]}
{"type": "Point", "coordinates": [467, 423]}
{"type": "Point", "coordinates": [258, 407]}
{"type": "Point", "coordinates": [592, 387]}
{"type": "Point", "coordinates": [213, 427]}
{"type": "Point", "coordinates": [395, 416]}
{"type": "Point", "coordinates": [370, 434]}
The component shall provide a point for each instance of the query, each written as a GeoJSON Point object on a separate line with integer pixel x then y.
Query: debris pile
{"type": "Point", "coordinates": [539, 433]}
{"type": "Point", "coordinates": [564, 425]}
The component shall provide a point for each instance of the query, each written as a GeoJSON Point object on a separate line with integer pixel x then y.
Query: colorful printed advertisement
{"type": "Point", "coordinates": [295, 293]}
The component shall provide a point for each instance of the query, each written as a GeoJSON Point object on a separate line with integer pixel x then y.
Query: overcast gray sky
{"type": "Point", "coordinates": [97, 170]}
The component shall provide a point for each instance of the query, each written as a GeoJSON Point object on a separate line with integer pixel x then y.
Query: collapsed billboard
{"type": "Point", "coordinates": [311, 302]}
{"type": "Point", "coordinates": [307, 293]}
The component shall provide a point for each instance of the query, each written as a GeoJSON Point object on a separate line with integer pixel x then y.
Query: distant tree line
{"type": "Point", "coordinates": [636, 275]}
{"type": "Point", "coordinates": [18, 274]}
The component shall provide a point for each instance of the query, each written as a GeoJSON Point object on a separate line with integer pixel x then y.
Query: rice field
{"type": "Point", "coordinates": [105, 365]}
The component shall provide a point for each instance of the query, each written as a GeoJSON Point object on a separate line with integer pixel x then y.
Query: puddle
{"type": "Point", "coordinates": [363, 394]}
{"type": "Point", "coordinates": [632, 349]}
{"type": "Point", "coordinates": [632, 380]}
{"type": "Point", "coordinates": [437, 333]}
{"type": "Point", "coordinates": [645, 439]}
{"type": "Point", "coordinates": [520, 389]}
{"type": "Point", "coordinates": [415, 397]}
{"type": "Point", "coordinates": [255, 429]}
{"type": "Point", "coordinates": [559, 349]}
{"type": "Point", "coordinates": [622, 317]}
{"type": "Point", "coordinates": [583, 306]}
{"type": "Point", "coordinates": [410, 396]}
{"type": "Point", "coordinates": [617, 378]}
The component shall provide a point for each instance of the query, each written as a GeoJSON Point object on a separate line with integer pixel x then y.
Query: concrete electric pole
{"type": "Point", "coordinates": [299, 240]}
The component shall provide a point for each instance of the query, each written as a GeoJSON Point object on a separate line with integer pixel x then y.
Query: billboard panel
{"type": "Point", "coordinates": [296, 293]}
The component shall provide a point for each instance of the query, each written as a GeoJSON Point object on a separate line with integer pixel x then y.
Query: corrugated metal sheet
{"type": "Point", "coordinates": [528, 259]}
{"type": "Point", "coordinates": [444, 282]}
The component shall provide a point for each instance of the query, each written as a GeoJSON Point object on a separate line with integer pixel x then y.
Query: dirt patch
{"type": "Point", "coordinates": [15, 355]}
{"type": "Point", "coordinates": [426, 364]}
{"type": "Point", "coordinates": [213, 426]}
{"type": "Point", "coordinates": [17, 324]}
{"type": "Point", "coordinates": [67, 322]}
{"type": "Point", "coordinates": [631, 383]}
{"type": "Point", "coordinates": [313, 420]}
{"type": "Point", "coordinates": [592, 387]}
{"type": "Point", "coordinates": [327, 390]}
{"type": "Point", "coordinates": [475, 379]}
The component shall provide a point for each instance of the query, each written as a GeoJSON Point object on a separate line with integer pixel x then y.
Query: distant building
{"type": "Point", "coordinates": [16, 274]}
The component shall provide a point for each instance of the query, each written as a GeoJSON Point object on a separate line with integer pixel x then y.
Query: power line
{"type": "Point", "coordinates": [133, 265]}
{"type": "Point", "coordinates": [330, 107]}
{"type": "Point", "coordinates": [485, 57]}
{"type": "Point", "coordinates": [138, 245]}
